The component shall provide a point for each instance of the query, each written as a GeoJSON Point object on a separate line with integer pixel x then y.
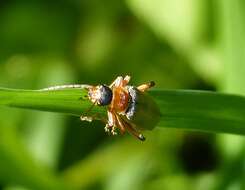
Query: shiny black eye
{"type": "Point", "coordinates": [106, 95]}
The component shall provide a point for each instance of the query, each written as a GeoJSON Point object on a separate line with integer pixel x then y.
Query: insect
{"type": "Point", "coordinates": [129, 108]}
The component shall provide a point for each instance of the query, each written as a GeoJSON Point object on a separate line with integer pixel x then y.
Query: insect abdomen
{"type": "Point", "coordinates": [142, 110]}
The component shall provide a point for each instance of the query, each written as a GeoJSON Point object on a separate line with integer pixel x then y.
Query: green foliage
{"type": "Point", "coordinates": [179, 44]}
{"type": "Point", "coordinates": [194, 110]}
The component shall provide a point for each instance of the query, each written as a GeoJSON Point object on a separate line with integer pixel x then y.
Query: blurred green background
{"type": "Point", "coordinates": [180, 44]}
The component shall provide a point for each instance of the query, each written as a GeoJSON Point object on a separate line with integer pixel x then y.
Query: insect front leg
{"type": "Point", "coordinates": [96, 116]}
{"type": "Point", "coordinates": [146, 86]}
{"type": "Point", "coordinates": [86, 118]}
{"type": "Point", "coordinates": [111, 123]}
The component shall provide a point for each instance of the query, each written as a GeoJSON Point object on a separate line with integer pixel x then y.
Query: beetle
{"type": "Point", "coordinates": [129, 108]}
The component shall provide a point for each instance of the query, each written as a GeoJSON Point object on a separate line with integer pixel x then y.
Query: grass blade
{"type": "Point", "coordinates": [201, 110]}
{"type": "Point", "coordinates": [192, 110]}
{"type": "Point", "coordinates": [69, 101]}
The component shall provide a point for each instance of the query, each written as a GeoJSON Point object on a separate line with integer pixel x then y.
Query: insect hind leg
{"type": "Point", "coordinates": [120, 124]}
{"type": "Point", "coordinates": [132, 130]}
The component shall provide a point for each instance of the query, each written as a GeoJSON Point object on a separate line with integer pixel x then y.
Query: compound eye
{"type": "Point", "coordinates": [105, 95]}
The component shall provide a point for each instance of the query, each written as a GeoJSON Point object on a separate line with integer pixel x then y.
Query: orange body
{"type": "Point", "coordinates": [120, 99]}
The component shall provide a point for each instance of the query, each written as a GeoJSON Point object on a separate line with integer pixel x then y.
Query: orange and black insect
{"type": "Point", "coordinates": [129, 108]}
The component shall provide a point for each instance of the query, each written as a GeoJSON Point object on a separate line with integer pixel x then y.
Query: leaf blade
{"type": "Point", "coordinates": [187, 109]}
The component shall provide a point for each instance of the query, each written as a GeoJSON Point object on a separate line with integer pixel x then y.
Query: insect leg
{"type": "Point", "coordinates": [125, 80]}
{"type": "Point", "coordinates": [116, 82]}
{"type": "Point", "coordinates": [146, 86]}
{"type": "Point", "coordinates": [88, 118]}
{"type": "Point", "coordinates": [120, 81]}
{"type": "Point", "coordinates": [120, 125]}
{"type": "Point", "coordinates": [96, 116]}
{"type": "Point", "coordinates": [132, 130]}
{"type": "Point", "coordinates": [111, 123]}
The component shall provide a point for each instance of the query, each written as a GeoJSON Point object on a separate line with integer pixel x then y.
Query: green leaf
{"type": "Point", "coordinates": [193, 110]}
{"type": "Point", "coordinates": [71, 101]}
{"type": "Point", "coordinates": [201, 110]}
